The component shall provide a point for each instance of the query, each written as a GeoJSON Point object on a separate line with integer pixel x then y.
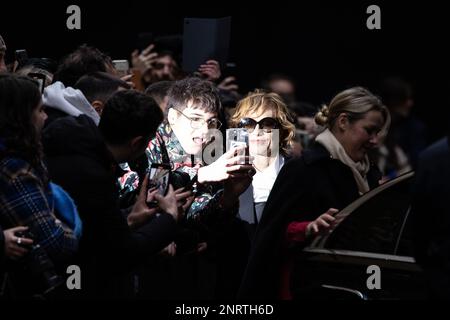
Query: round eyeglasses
{"type": "Point", "coordinates": [197, 123]}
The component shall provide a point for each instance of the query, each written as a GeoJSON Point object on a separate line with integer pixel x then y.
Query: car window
{"type": "Point", "coordinates": [375, 225]}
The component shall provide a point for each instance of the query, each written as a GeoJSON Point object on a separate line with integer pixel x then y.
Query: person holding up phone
{"type": "Point", "coordinates": [193, 108]}
{"type": "Point", "coordinates": [265, 117]}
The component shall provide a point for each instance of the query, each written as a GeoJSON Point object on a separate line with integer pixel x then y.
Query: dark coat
{"type": "Point", "coordinates": [79, 161]}
{"type": "Point", "coordinates": [431, 216]}
{"type": "Point", "coordinates": [2, 248]}
{"type": "Point", "coordinates": [305, 188]}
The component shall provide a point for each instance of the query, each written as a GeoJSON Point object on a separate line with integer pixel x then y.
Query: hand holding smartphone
{"type": "Point", "coordinates": [158, 178]}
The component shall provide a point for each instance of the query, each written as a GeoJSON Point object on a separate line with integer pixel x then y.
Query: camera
{"type": "Point", "coordinates": [179, 179]}
{"type": "Point", "coordinates": [41, 268]}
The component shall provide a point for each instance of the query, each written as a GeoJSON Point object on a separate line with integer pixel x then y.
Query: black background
{"type": "Point", "coordinates": [325, 46]}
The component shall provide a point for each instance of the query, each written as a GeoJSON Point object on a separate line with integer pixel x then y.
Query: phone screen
{"type": "Point", "coordinates": [158, 178]}
{"type": "Point", "coordinates": [122, 67]}
{"type": "Point", "coordinates": [238, 137]}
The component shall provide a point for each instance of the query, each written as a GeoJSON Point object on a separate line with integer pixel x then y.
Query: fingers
{"type": "Point", "coordinates": [227, 84]}
{"type": "Point", "coordinates": [147, 50]}
{"type": "Point", "coordinates": [179, 190]}
{"type": "Point", "coordinates": [151, 211]}
{"type": "Point", "coordinates": [170, 191]}
{"type": "Point", "coordinates": [19, 228]}
{"type": "Point", "coordinates": [126, 78]}
{"type": "Point", "coordinates": [332, 211]}
{"type": "Point", "coordinates": [322, 223]}
{"type": "Point", "coordinates": [201, 247]}
{"type": "Point", "coordinates": [231, 87]}
{"type": "Point", "coordinates": [240, 160]}
{"type": "Point", "coordinates": [19, 251]}
{"type": "Point", "coordinates": [184, 195]}
{"type": "Point", "coordinates": [172, 249]}
{"type": "Point", "coordinates": [150, 57]}
{"type": "Point", "coordinates": [244, 168]}
{"type": "Point", "coordinates": [327, 217]}
{"type": "Point", "coordinates": [170, 194]}
{"type": "Point", "coordinates": [26, 241]}
{"type": "Point", "coordinates": [209, 74]}
{"type": "Point", "coordinates": [232, 152]}
{"type": "Point", "coordinates": [151, 194]}
{"type": "Point", "coordinates": [228, 80]}
{"type": "Point", "coordinates": [212, 62]}
{"type": "Point", "coordinates": [188, 203]}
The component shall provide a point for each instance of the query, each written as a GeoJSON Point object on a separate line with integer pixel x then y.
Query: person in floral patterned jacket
{"type": "Point", "coordinates": [193, 109]}
{"type": "Point", "coordinates": [211, 228]}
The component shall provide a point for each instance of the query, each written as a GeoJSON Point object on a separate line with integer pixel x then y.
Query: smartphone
{"type": "Point", "coordinates": [21, 56]}
{"type": "Point", "coordinates": [40, 79]}
{"type": "Point", "coordinates": [237, 137]}
{"type": "Point", "coordinates": [158, 177]}
{"type": "Point", "coordinates": [122, 67]}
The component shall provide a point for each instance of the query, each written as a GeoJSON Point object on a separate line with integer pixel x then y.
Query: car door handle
{"type": "Point", "coordinates": [357, 293]}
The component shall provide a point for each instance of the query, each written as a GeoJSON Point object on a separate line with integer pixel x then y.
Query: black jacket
{"type": "Point", "coordinates": [305, 188]}
{"type": "Point", "coordinates": [431, 216]}
{"type": "Point", "coordinates": [79, 161]}
{"type": "Point", "coordinates": [2, 248]}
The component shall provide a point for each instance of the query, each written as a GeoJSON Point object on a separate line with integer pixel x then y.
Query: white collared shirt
{"type": "Point", "coordinates": [263, 180]}
{"type": "Point", "coordinates": [259, 190]}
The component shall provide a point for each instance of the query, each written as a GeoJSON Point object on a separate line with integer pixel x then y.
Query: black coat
{"type": "Point", "coordinates": [431, 216]}
{"type": "Point", "coordinates": [2, 248]}
{"type": "Point", "coordinates": [79, 161]}
{"type": "Point", "coordinates": [305, 188]}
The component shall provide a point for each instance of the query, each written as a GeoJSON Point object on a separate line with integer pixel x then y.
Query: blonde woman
{"type": "Point", "coordinates": [331, 174]}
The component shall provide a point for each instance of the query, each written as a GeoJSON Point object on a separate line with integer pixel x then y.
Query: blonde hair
{"type": "Point", "coordinates": [355, 102]}
{"type": "Point", "coordinates": [259, 101]}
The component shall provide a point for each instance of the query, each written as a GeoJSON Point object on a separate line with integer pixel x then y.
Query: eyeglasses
{"type": "Point", "coordinates": [267, 124]}
{"type": "Point", "coordinates": [197, 123]}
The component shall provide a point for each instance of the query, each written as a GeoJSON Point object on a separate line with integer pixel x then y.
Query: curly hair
{"type": "Point", "coordinates": [202, 93]}
{"type": "Point", "coordinates": [258, 101]}
{"type": "Point", "coordinates": [19, 98]}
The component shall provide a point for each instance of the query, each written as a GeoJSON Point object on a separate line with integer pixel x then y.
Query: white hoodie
{"type": "Point", "coordinates": [69, 100]}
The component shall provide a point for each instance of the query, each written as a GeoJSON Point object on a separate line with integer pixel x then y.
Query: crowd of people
{"type": "Point", "coordinates": [75, 186]}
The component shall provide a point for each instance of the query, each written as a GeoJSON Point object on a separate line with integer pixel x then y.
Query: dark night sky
{"type": "Point", "coordinates": [325, 46]}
